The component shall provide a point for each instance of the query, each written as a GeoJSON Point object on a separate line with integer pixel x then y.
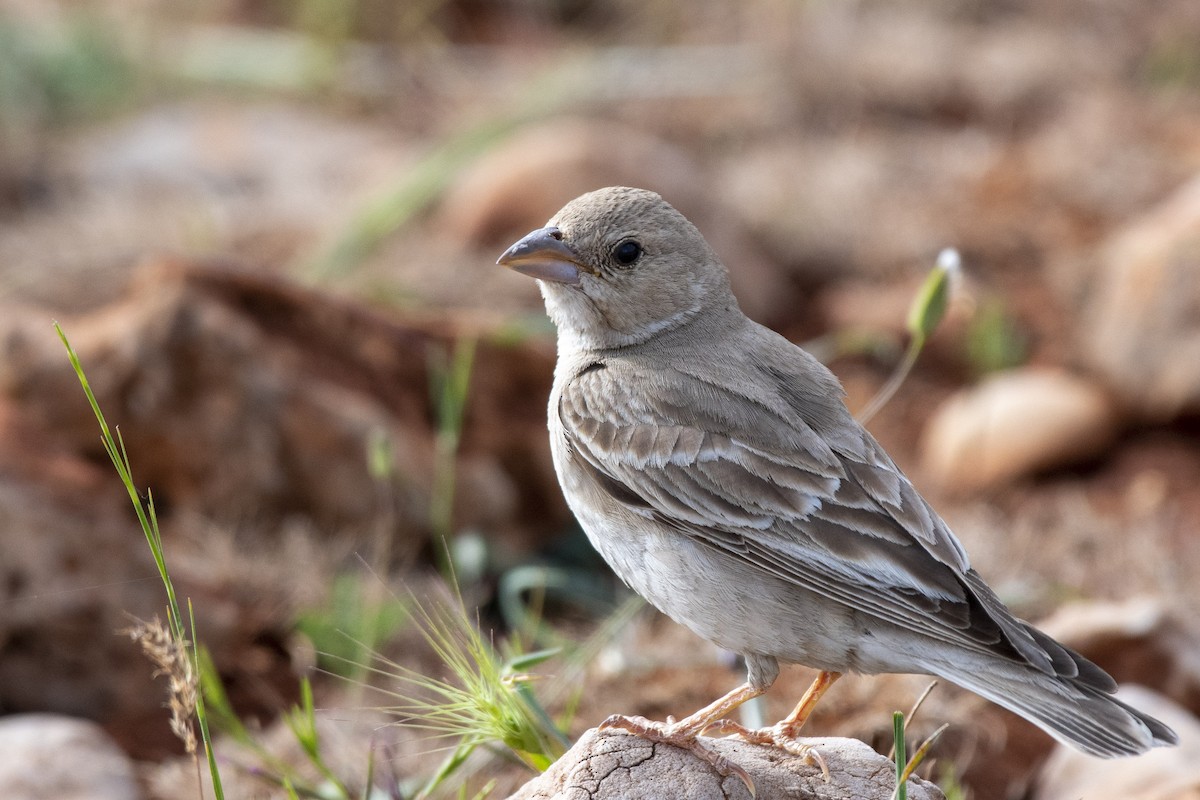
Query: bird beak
{"type": "Point", "coordinates": [543, 255]}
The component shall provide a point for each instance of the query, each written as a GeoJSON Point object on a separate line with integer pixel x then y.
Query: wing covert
{"type": "Point", "coordinates": [760, 484]}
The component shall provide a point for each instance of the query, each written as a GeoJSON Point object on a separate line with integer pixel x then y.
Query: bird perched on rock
{"type": "Point", "coordinates": [716, 468]}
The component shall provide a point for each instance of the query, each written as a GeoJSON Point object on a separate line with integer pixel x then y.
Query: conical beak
{"type": "Point", "coordinates": [543, 255]}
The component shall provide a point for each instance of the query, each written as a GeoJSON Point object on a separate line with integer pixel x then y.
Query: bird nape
{"type": "Point", "coordinates": [715, 467]}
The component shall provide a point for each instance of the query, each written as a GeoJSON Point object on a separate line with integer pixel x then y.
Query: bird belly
{"type": "Point", "coordinates": [718, 596]}
{"type": "Point", "coordinates": [721, 599]}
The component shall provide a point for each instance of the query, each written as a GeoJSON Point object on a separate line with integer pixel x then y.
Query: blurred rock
{"type": "Point", "coordinates": [521, 182]}
{"type": "Point", "coordinates": [245, 397]}
{"type": "Point", "coordinates": [1165, 773]}
{"type": "Point", "coordinates": [61, 603]}
{"type": "Point", "coordinates": [1141, 640]}
{"type": "Point", "coordinates": [50, 757]}
{"type": "Point", "coordinates": [247, 405]}
{"type": "Point", "coordinates": [892, 59]}
{"type": "Point", "coordinates": [1141, 317]}
{"type": "Point", "coordinates": [353, 741]}
{"type": "Point", "coordinates": [263, 180]}
{"type": "Point", "coordinates": [1080, 160]}
{"type": "Point", "coordinates": [605, 765]}
{"type": "Point", "coordinates": [828, 206]}
{"type": "Point", "coordinates": [227, 400]}
{"type": "Point", "coordinates": [1013, 424]}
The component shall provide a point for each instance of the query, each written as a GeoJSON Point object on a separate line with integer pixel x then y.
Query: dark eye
{"type": "Point", "coordinates": [627, 252]}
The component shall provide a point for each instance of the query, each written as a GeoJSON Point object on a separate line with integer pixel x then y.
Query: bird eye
{"type": "Point", "coordinates": [627, 252]}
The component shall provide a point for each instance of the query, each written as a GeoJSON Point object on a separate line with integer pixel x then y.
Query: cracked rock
{"type": "Point", "coordinates": [604, 765]}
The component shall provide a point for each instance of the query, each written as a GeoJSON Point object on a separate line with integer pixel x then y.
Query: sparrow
{"type": "Point", "coordinates": [717, 470]}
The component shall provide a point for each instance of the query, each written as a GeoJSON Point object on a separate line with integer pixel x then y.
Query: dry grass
{"type": "Point", "coordinates": [171, 658]}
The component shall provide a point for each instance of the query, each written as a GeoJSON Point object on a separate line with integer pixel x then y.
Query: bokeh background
{"type": "Point", "coordinates": [269, 229]}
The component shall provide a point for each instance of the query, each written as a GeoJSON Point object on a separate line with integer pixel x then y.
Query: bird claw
{"type": "Point", "coordinates": [775, 736]}
{"type": "Point", "coordinates": [671, 733]}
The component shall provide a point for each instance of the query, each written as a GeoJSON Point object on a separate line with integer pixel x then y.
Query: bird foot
{"type": "Point", "coordinates": [681, 736]}
{"type": "Point", "coordinates": [781, 736]}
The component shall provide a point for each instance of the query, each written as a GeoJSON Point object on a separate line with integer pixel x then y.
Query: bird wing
{"type": "Point", "coordinates": [755, 480]}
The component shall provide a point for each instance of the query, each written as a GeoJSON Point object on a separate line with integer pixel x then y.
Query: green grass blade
{"type": "Point", "coordinates": [148, 519]}
{"type": "Point", "coordinates": [202, 716]}
{"type": "Point", "coordinates": [901, 792]}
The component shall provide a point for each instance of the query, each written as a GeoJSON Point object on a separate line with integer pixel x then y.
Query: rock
{"type": "Point", "coordinates": [200, 363]}
{"type": "Point", "coordinates": [58, 649]}
{"type": "Point", "coordinates": [613, 764]}
{"type": "Point", "coordinates": [352, 740]}
{"type": "Point", "coordinates": [1080, 158]}
{"type": "Point", "coordinates": [246, 405]}
{"type": "Point", "coordinates": [1165, 773]}
{"type": "Point", "coordinates": [223, 407]}
{"type": "Point", "coordinates": [261, 179]}
{"type": "Point", "coordinates": [1141, 325]}
{"type": "Point", "coordinates": [891, 59]}
{"type": "Point", "coordinates": [832, 206]}
{"type": "Point", "coordinates": [51, 757]}
{"type": "Point", "coordinates": [1141, 640]}
{"type": "Point", "coordinates": [1013, 424]}
{"type": "Point", "coordinates": [521, 182]}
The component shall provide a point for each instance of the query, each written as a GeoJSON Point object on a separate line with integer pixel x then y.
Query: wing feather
{"type": "Point", "coordinates": [757, 481]}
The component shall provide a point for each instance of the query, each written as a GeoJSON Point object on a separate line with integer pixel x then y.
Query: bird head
{"type": "Point", "coordinates": [619, 266]}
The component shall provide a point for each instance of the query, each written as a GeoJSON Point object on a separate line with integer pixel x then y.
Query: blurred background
{"type": "Point", "coordinates": [269, 229]}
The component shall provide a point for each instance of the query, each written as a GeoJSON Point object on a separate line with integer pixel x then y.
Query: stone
{"type": "Point", "coordinates": [614, 764]}
{"type": "Point", "coordinates": [1165, 773]}
{"type": "Point", "coordinates": [1013, 424]}
{"type": "Point", "coordinates": [1141, 640]}
{"type": "Point", "coordinates": [1141, 315]}
{"type": "Point", "coordinates": [247, 406]}
{"type": "Point", "coordinates": [200, 361]}
{"type": "Point", "coordinates": [52, 757]}
{"type": "Point", "coordinates": [830, 207]}
{"type": "Point", "coordinates": [261, 180]}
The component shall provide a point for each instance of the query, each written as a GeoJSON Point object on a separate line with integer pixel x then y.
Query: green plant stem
{"type": "Point", "coordinates": [148, 519]}
{"type": "Point", "coordinates": [894, 382]}
{"type": "Point", "coordinates": [923, 751]}
{"type": "Point", "coordinates": [450, 384]}
{"type": "Point", "coordinates": [926, 312]}
{"type": "Point", "coordinates": [447, 768]}
{"type": "Point", "coordinates": [202, 714]}
{"type": "Point", "coordinates": [303, 723]}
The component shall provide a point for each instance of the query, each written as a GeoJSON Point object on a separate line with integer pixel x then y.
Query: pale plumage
{"type": "Point", "coordinates": [716, 468]}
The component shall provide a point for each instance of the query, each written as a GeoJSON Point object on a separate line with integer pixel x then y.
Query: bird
{"type": "Point", "coordinates": [716, 468]}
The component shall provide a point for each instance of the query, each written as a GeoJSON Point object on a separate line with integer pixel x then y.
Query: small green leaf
{"type": "Point", "coordinates": [927, 310]}
{"type": "Point", "coordinates": [380, 460]}
{"type": "Point", "coordinates": [995, 340]}
{"type": "Point", "coordinates": [521, 663]}
{"type": "Point", "coordinates": [929, 306]}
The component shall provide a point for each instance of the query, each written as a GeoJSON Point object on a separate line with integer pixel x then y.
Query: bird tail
{"type": "Point", "coordinates": [1070, 709]}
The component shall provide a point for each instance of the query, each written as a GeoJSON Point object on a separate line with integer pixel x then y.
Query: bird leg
{"type": "Point", "coordinates": [783, 733]}
{"type": "Point", "coordinates": [684, 733]}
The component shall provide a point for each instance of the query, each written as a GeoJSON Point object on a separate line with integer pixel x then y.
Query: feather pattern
{"type": "Point", "coordinates": [770, 490]}
{"type": "Point", "coordinates": [715, 467]}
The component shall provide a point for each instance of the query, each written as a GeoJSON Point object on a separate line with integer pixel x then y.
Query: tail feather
{"type": "Point", "coordinates": [1072, 711]}
{"type": "Point", "coordinates": [1069, 664]}
{"type": "Point", "coordinates": [1055, 688]}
